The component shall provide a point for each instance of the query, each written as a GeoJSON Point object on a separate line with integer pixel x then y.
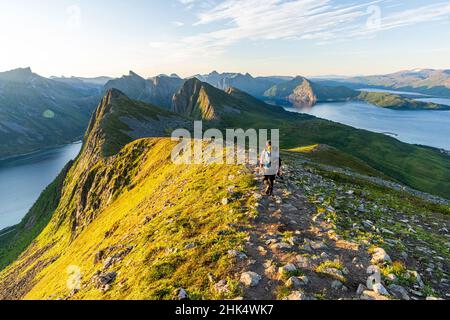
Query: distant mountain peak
{"type": "Point", "coordinates": [19, 75]}
{"type": "Point", "coordinates": [133, 74]}
{"type": "Point", "coordinates": [23, 71]}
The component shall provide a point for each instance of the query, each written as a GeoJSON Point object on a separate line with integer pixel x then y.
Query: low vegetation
{"type": "Point", "coordinates": [394, 101]}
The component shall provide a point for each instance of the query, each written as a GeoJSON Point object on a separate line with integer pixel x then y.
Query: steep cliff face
{"type": "Point", "coordinates": [163, 89]}
{"type": "Point", "coordinates": [158, 90]}
{"type": "Point", "coordinates": [195, 100]}
{"type": "Point", "coordinates": [303, 93]}
{"type": "Point", "coordinates": [245, 82]}
{"type": "Point", "coordinates": [298, 92]}
{"type": "Point", "coordinates": [119, 120]}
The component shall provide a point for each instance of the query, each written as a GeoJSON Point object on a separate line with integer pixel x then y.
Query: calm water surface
{"type": "Point", "coordinates": [24, 178]}
{"type": "Point", "coordinates": [430, 128]}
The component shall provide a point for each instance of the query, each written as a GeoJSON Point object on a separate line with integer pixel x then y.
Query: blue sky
{"type": "Point", "coordinates": [263, 37]}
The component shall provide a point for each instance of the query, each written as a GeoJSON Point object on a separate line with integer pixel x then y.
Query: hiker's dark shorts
{"type": "Point", "coordinates": [270, 178]}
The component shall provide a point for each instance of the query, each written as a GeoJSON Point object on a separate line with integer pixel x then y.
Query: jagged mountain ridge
{"type": "Point", "coordinates": [245, 82]}
{"type": "Point", "coordinates": [158, 90]}
{"type": "Point", "coordinates": [297, 92]}
{"type": "Point", "coordinates": [199, 100]}
{"type": "Point", "coordinates": [119, 120]}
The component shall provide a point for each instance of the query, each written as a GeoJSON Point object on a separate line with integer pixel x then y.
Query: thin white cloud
{"type": "Point", "coordinates": [262, 21]}
{"type": "Point", "coordinates": [318, 20]}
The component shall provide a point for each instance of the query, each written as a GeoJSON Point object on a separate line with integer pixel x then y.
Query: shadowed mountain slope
{"type": "Point", "coordinates": [36, 112]}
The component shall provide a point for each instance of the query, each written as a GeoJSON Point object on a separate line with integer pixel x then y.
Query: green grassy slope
{"type": "Point", "coordinates": [165, 225]}
{"type": "Point", "coordinates": [394, 101]}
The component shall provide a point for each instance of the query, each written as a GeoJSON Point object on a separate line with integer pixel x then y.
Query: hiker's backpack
{"type": "Point", "coordinates": [267, 159]}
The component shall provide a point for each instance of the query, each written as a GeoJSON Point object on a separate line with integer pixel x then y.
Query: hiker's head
{"type": "Point", "coordinates": [269, 145]}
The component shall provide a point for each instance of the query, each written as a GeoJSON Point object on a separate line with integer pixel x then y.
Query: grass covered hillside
{"type": "Point", "coordinates": [397, 102]}
{"type": "Point", "coordinates": [301, 92]}
{"type": "Point", "coordinates": [148, 225]}
{"type": "Point", "coordinates": [150, 229]}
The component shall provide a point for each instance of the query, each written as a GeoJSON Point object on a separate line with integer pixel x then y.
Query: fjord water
{"type": "Point", "coordinates": [424, 127]}
{"type": "Point", "coordinates": [23, 179]}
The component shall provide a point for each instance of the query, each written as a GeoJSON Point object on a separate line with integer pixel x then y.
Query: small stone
{"type": "Point", "coordinates": [182, 294]}
{"type": "Point", "coordinates": [108, 262]}
{"type": "Point", "coordinates": [225, 201]}
{"type": "Point", "coordinates": [270, 271]}
{"type": "Point", "coordinates": [380, 289]}
{"type": "Point", "coordinates": [333, 272]}
{"type": "Point", "coordinates": [222, 287]}
{"type": "Point", "coordinates": [416, 293]}
{"type": "Point", "coordinates": [361, 289]}
{"type": "Point", "coordinates": [287, 268]}
{"type": "Point", "coordinates": [372, 295]}
{"type": "Point", "coordinates": [391, 277]}
{"type": "Point", "coordinates": [399, 292]}
{"type": "Point", "coordinates": [189, 246]}
{"type": "Point", "coordinates": [367, 224]}
{"type": "Point", "coordinates": [324, 255]}
{"type": "Point", "coordinates": [250, 279]}
{"type": "Point", "coordinates": [108, 278]}
{"type": "Point", "coordinates": [262, 251]}
{"type": "Point", "coordinates": [336, 285]}
{"type": "Point", "coordinates": [293, 282]}
{"type": "Point", "coordinates": [380, 256]}
{"type": "Point", "coordinates": [415, 275]}
{"type": "Point", "coordinates": [237, 254]}
{"type": "Point", "coordinates": [303, 262]}
{"type": "Point", "coordinates": [296, 295]}
{"type": "Point", "coordinates": [281, 246]}
{"type": "Point", "coordinates": [317, 245]}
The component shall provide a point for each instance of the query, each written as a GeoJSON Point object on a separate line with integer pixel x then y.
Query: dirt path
{"type": "Point", "coordinates": [288, 231]}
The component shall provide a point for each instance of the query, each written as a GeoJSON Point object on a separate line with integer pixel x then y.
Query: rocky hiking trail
{"type": "Point", "coordinates": [295, 253]}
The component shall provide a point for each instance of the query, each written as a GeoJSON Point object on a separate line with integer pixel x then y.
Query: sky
{"type": "Point", "coordinates": [263, 37]}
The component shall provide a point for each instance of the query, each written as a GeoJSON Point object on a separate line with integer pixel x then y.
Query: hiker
{"type": "Point", "coordinates": [270, 164]}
